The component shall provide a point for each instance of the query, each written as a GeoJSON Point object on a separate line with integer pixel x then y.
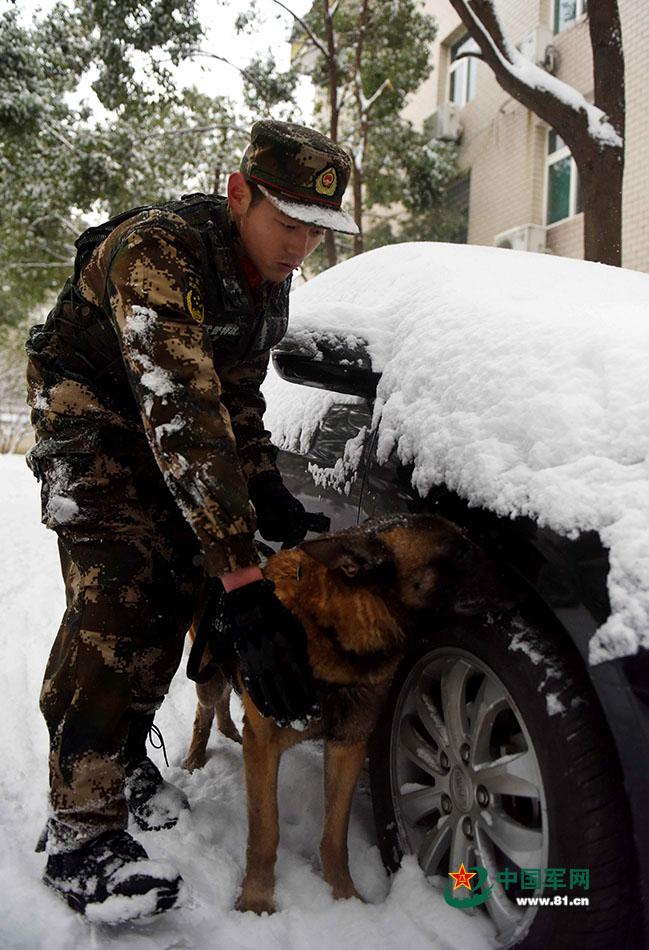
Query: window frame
{"type": "Point", "coordinates": [467, 66]}
{"type": "Point", "coordinates": [581, 9]}
{"type": "Point", "coordinates": [552, 158]}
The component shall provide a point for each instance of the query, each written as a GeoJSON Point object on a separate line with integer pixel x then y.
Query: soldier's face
{"type": "Point", "coordinates": [275, 243]}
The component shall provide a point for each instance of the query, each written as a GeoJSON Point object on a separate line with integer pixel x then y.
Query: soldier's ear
{"type": "Point", "coordinates": [352, 554]}
{"type": "Point", "coordinates": [239, 194]}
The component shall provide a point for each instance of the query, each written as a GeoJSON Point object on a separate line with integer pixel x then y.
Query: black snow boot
{"type": "Point", "coordinates": [110, 879]}
{"type": "Point", "coordinates": [153, 803]}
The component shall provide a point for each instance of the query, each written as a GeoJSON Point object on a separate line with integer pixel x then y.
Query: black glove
{"type": "Point", "coordinates": [272, 649]}
{"type": "Point", "coordinates": [280, 516]}
{"type": "Point", "coordinates": [213, 631]}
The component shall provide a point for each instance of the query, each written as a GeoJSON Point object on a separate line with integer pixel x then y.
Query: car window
{"type": "Point", "coordinates": [342, 432]}
{"type": "Point", "coordinates": [329, 477]}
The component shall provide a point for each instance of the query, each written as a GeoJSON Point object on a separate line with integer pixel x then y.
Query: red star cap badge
{"type": "Point", "coordinates": [462, 877]}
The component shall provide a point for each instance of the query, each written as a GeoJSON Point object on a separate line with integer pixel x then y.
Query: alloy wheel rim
{"type": "Point", "coordinates": [465, 781]}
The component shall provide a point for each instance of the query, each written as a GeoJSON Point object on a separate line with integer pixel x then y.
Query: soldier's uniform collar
{"type": "Point", "coordinates": [259, 290]}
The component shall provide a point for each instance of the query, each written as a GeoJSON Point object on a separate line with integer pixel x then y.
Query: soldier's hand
{"type": "Point", "coordinates": [280, 516]}
{"type": "Point", "coordinates": [271, 646]}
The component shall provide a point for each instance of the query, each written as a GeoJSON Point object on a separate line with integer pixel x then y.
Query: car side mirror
{"type": "Point", "coordinates": [326, 360]}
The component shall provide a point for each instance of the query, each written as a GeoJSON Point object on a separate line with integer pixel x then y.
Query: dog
{"type": "Point", "coordinates": [361, 595]}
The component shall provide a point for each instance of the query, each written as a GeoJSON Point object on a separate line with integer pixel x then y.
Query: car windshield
{"type": "Point", "coordinates": [518, 380]}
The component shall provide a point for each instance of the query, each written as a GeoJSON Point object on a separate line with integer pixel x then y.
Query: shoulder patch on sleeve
{"type": "Point", "coordinates": [193, 295]}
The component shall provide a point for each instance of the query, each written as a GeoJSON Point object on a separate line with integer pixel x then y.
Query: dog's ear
{"type": "Point", "coordinates": [353, 554]}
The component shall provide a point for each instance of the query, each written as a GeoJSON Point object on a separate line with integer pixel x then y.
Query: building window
{"type": "Point", "coordinates": [462, 72]}
{"type": "Point", "coordinates": [563, 186]}
{"type": "Point", "coordinates": [566, 12]}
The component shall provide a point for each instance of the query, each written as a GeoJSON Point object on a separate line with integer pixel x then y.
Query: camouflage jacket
{"type": "Point", "coordinates": [158, 343]}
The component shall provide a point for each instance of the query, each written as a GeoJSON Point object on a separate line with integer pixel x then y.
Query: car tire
{"type": "Point", "coordinates": [492, 750]}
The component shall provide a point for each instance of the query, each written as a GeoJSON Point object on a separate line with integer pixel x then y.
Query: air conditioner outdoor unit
{"type": "Point", "coordinates": [528, 237]}
{"type": "Point", "coordinates": [445, 123]}
{"type": "Point", "coordinates": [535, 43]}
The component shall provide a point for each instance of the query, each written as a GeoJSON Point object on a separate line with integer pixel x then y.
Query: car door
{"type": "Point", "coordinates": [329, 477]}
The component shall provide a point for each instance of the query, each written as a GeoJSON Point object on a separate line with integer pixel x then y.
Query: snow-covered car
{"type": "Point", "coordinates": [508, 392]}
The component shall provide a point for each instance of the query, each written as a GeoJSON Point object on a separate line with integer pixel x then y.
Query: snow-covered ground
{"type": "Point", "coordinates": [209, 844]}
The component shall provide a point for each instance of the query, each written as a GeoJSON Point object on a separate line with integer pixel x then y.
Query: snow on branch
{"type": "Point", "coordinates": [524, 78]}
{"type": "Point", "coordinates": [366, 104]}
{"type": "Point", "coordinates": [58, 136]}
{"type": "Point", "coordinates": [333, 9]}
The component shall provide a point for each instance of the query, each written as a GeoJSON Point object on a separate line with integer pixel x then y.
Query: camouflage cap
{"type": "Point", "coordinates": [303, 173]}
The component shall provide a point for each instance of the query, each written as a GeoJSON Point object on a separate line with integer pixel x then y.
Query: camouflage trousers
{"type": "Point", "coordinates": [131, 572]}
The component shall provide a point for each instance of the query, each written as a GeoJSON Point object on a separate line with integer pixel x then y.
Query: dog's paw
{"type": "Point", "coordinates": [344, 891]}
{"type": "Point", "coordinates": [194, 761]}
{"type": "Point", "coordinates": [258, 905]}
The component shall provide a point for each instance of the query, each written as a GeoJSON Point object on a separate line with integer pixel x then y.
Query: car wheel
{"type": "Point", "coordinates": [493, 752]}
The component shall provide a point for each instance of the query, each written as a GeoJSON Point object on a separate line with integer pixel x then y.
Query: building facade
{"type": "Point", "coordinates": [519, 184]}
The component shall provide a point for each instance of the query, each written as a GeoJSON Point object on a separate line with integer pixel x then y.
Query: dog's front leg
{"type": "Point", "coordinates": [342, 767]}
{"type": "Point", "coordinates": [212, 696]}
{"type": "Point", "coordinates": [261, 755]}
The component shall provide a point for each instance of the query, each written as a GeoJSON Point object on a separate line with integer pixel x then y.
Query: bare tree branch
{"type": "Point", "coordinates": [59, 136]}
{"type": "Point", "coordinates": [53, 217]}
{"type": "Point", "coordinates": [550, 98]}
{"type": "Point", "coordinates": [359, 150]}
{"type": "Point", "coordinates": [11, 264]}
{"type": "Point", "coordinates": [335, 103]}
{"type": "Point", "coordinates": [247, 75]}
{"type": "Point", "coordinates": [194, 128]}
{"type": "Point", "coordinates": [307, 29]}
{"type": "Point", "coordinates": [368, 103]}
{"type": "Point", "coordinates": [594, 132]}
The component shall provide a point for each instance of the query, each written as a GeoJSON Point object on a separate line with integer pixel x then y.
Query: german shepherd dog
{"type": "Point", "coordinates": [361, 595]}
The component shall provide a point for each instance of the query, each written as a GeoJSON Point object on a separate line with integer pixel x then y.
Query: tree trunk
{"type": "Point", "coordinates": [600, 164]}
{"type": "Point", "coordinates": [357, 186]}
{"type": "Point", "coordinates": [332, 69]}
{"type": "Point", "coordinates": [602, 176]}
{"type": "Point", "coordinates": [330, 248]}
{"type": "Point", "coordinates": [601, 173]}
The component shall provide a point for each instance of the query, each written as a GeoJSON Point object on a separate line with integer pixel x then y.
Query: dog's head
{"type": "Point", "coordinates": [424, 562]}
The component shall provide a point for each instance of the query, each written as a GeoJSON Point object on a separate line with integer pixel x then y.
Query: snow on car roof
{"type": "Point", "coordinates": [518, 380]}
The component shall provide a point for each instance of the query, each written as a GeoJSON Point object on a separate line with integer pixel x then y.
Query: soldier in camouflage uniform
{"type": "Point", "coordinates": [145, 388]}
